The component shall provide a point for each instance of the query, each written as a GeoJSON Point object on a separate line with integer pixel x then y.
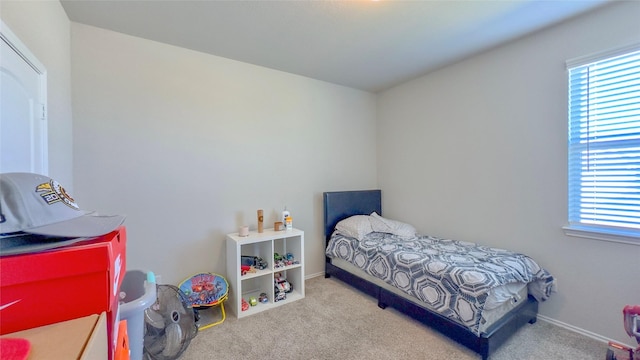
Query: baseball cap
{"type": "Point", "coordinates": [36, 204]}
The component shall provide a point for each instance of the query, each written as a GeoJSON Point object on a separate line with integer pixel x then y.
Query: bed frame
{"type": "Point", "coordinates": [342, 204]}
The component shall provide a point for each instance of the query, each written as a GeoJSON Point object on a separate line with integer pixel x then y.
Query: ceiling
{"type": "Point", "coordinates": [367, 45]}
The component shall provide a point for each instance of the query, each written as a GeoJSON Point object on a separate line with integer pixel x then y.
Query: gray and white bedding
{"type": "Point", "coordinates": [459, 280]}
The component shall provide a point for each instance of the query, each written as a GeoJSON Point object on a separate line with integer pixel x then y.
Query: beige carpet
{"type": "Point", "coordinates": [335, 321]}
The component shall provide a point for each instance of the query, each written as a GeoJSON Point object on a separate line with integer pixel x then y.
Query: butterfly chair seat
{"type": "Point", "coordinates": [204, 291]}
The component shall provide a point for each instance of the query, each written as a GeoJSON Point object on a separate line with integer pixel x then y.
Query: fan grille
{"type": "Point", "coordinates": [169, 324]}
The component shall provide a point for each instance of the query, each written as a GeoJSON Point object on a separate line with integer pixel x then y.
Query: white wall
{"type": "Point", "coordinates": [29, 21]}
{"type": "Point", "coordinates": [189, 146]}
{"type": "Point", "coordinates": [482, 149]}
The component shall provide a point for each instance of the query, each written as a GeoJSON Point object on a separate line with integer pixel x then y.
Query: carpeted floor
{"type": "Point", "coordinates": [334, 321]}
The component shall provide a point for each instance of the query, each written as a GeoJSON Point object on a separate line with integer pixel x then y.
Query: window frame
{"type": "Point", "coordinates": [596, 232]}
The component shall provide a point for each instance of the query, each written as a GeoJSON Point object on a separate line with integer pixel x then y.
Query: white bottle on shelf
{"type": "Point", "coordinates": [285, 214]}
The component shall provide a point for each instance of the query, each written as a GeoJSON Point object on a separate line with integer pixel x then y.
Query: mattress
{"type": "Point", "coordinates": [500, 300]}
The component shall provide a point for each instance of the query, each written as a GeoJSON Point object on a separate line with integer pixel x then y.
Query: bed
{"type": "Point", "coordinates": [479, 314]}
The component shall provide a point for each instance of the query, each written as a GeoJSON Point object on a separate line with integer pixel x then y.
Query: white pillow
{"type": "Point", "coordinates": [356, 226]}
{"type": "Point", "coordinates": [384, 225]}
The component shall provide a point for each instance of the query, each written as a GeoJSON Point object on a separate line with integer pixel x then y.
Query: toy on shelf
{"type": "Point", "coordinates": [263, 298]}
{"type": "Point", "coordinates": [280, 296]}
{"type": "Point", "coordinates": [245, 305]}
{"type": "Point", "coordinates": [280, 261]}
{"type": "Point", "coordinates": [255, 261]}
{"type": "Point", "coordinates": [281, 287]}
{"type": "Point", "coordinates": [290, 260]}
{"type": "Point", "coordinates": [244, 269]}
{"type": "Point", "coordinates": [253, 301]}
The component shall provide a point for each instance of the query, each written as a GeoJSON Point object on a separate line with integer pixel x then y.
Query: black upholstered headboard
{"type": "Point", "coordinates": [339, 205]}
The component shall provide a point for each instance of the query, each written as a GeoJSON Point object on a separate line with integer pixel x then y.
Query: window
{"type": "Point", "coordinates": [604, 146]}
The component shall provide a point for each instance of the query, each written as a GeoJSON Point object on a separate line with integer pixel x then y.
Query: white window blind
{"type": "Point", "coordinates": [604, 145]}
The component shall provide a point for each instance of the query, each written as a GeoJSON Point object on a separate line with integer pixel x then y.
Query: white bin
{"type": "Point", "coordinates": [137, 293]}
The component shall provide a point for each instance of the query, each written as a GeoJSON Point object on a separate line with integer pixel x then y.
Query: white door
{"type": "Point", "coordinates": [23, 125]}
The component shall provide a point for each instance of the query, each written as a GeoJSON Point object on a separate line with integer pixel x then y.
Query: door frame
{"type": "Point", "coordinates": [21, 49]}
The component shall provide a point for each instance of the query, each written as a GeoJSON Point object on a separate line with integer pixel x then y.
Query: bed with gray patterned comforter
{"type": "Point", "coordinates": [453, 277]}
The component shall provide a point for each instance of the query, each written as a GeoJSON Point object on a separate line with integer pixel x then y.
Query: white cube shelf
{"type": "Point", "coordinates": [264, 245]}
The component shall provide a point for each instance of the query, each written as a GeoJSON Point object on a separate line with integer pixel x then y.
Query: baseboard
{"type": "Point", "coordinates": [578, 330]}
{"type": "Point", "coordinates": [311, 276]}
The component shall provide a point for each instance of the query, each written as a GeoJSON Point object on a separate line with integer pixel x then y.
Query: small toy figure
{"type": "Point", "coordinates": [263, 298]}
{"type": "Point", "coordinates": [244, 269]}
{"type": "Point", "coordinates": [245, 305]}
{"type": "Point", "coordinates": [281, 284]}
{"type": "Point", "coordinates": [260, 264]}
{"type": "Point", "coordinates": [291, 260]}
{"type": "Point", "coordinates": [254, 261]}
{"type": "Point", "coordinates": [253, 301]}
{"type": "Point", "coordinates": [280, 296]}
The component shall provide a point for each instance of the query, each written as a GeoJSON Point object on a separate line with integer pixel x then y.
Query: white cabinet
{"type": "Point", "coordinates": [252, 284]}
